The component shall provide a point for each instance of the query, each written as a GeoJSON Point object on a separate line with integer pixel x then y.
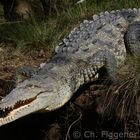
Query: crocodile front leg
{"type": "Point", "coordinates": [105, 58]}
{"type": "Point", "coordinates": [132, 39]}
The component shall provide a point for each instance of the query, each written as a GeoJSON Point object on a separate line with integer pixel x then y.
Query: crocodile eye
{"type": "Point", "coordinates": [33, 86]}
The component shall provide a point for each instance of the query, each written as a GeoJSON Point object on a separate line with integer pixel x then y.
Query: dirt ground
{"type": "Point", "coordinates": [11, 60]}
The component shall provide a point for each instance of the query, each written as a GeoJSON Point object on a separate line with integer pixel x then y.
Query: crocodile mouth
{"type": "Point", "coordinates": [5, 112]}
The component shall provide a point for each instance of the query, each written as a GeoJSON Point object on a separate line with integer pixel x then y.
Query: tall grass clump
{"type": "Point", "coordinates": [123, 99]}
{"type": "Point", "coordinates": [28, 35]}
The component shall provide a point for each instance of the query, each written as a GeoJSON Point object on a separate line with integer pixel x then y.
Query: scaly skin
{"type": "Point", "coordinates": [94, 44]}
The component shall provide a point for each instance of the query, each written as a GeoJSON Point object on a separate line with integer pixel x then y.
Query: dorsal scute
{"type": "Point", "coordinates": [87, 29]}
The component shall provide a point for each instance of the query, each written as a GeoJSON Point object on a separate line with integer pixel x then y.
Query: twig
{"type": "Point", "coordinates": [67, 134]}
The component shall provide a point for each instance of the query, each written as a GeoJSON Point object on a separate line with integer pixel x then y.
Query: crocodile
{"type": "Point", "coordinates": [101, 42]}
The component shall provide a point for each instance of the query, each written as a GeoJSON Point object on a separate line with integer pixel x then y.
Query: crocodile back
{"type": "Point", "coordinates": [104, 32]}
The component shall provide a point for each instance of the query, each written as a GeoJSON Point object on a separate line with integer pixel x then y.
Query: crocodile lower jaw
{"type": "Point", "coordinates": [13, 115]}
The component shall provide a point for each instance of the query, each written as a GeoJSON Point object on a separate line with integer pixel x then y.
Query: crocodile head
{"type": "Point", "coordinates": [31, 96]}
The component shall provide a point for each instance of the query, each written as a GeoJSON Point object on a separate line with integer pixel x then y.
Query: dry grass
{"type": "Point", "coordinates": [122, 100]}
